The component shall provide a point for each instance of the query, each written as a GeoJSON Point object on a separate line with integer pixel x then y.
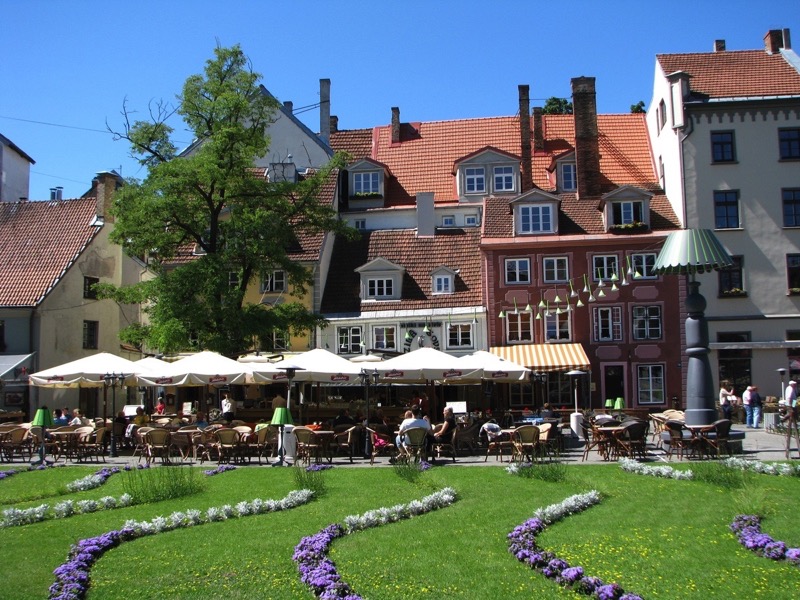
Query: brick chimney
{"type": "Point", "coordinates": [104, 185]}
{"type": "Point", "coordinates": [538, 129]}
{"type": "Point", "coordinates": [587, 151]}
{"type": "Point", "coordinates": [289, 105]}
{"type": "Point", "coordinates": [719, 45]}
{"type": "Point", "coordinates": [525, 136]}
{"type": "Point", "coordinates": [395, 125]}
{"type": "Point", "coordinates": [325, 110]}
{"type": "Point", "coordinates": [334, 124]}
{"type": "Point", "coordinates": [773, 41]}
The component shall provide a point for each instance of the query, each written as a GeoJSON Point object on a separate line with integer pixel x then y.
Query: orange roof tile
{"type": "Point", "coordinates": [452, 248]}
{"type": "Point", "coordinates": [39, 242]}
{"type": "Point", "coordinates": [356, 142]}
{"type": "Point", "coordinates": [735, 74]}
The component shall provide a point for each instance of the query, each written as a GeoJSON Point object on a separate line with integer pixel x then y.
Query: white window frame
{"type": "Point", "coordinates": [503, 178]}
{"type": "Point", "coordinates": [514, 264]}
{"type": "Point", "coordinates": [604, 266]}
{"type": "Point", "coordinates": [568, 181]}
{"type": "Point", "coordinates": [443, 284]}
{"type": "Point", "coordinates": [552, 266]}
{"type": "Point", "coordinates": [607, 323]}
{"type": "Point", "coordinates": [448, 221]}
{"type": "Point", "coordinates": [380, 287]}
{"type": "Point", "coordinates": [459, 335]}
{"type": "Point", "coordinates": [471, 220]}
{"type": "Point", "coordinates": [560, 324]}
{"type": "Point", "coordinates": [280, 340]}
{"type": "Point", "coordinates": [348, 339]}
{"type": "Point", "coordinates": [651, 384]}
{"type": "Point", "coordinates": [627, 212]}
{"type": "Point", "coordinates": [519, 327]}
{"type": "Point", "coordinates": [275, 282]}
{"type": "Point", "coordinates": [535, 218]}
{"type": "Point", "coordinates": [384, 337]}
{"type": "Point", "coordinates": [474, 180]}
{"type": "Point", "coordinates": [367, 182]}
{"type": "Point", "coordinates": [360, 224]}
{"type": "Point", "coordinates": [647, 322]}
{"type": "Point", "coordinates": [644, 264]}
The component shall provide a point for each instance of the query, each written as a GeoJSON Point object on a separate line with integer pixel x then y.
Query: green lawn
{"type": "Point", "coordinates": [658, 538]}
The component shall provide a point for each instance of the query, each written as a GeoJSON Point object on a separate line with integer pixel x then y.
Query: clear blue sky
{"type": "Point", "coordinates": [72, 64]}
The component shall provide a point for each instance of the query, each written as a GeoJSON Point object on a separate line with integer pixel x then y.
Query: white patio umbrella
{"type": "Point", "coordinates": [86, 372]}
{"type": "Point", "coordinates": [494, 368]}
{"type": "Point", "coordinates": [203, 368]}
{"type": "Point", "coordinates": [424, 364]}
{"type": "Point", "coordinates": [318, 365]}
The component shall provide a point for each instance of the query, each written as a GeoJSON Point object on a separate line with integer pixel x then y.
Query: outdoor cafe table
{"type": "Point", "coordinates": [67, 444]}
{"type": "Point", "coordinates": [610, 439]}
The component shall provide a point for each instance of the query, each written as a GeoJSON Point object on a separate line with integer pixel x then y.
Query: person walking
{"type": "Point", "coordinates": [790, 394]}
{"type": "Point", "coordinates": [747, 403]}
{"type": "Point", "coordinates": [756, 402]}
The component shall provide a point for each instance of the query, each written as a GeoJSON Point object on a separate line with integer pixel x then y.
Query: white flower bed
{"type": "Point", "coordinates": [632, 466]}
{"type": "Point", "coordinates": [570, 506]}
{"type": "Point", "coordinates": [382, 516]}
{"type": "Point", "coordinates": [14, 517]}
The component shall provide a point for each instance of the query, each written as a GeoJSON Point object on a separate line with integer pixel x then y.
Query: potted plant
{"type": "Point", "coordinates": [633, 227]}
{"type": "Point", "coordinates": [732, 292]}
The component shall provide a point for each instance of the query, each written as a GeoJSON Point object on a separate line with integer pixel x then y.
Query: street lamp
{"type": "Point", "coordinates": [113, 380]}
{"type": "Point", "coordinates": [782, 373]}
{"type": "Point", "coordinates": [540, 378]}
{"type": "Point", "coordinates": [365, 377]}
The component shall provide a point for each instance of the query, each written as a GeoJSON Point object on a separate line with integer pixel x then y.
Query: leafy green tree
{"type": "Point", "coordinates": [638, 107]}
{"type": "Point", "coordinates": [557, 106]}
{"type": "Point", "coordinates": [211, 204]}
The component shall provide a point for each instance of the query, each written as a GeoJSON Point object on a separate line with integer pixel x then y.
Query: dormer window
{"type": "Point", "coordinates": [443, 281]}
{"type": "Point", "coordinates": [627, 210]}
{"type": "Point", "coordinates": [474, 180]}
{"type": "Point", "coordinates": [366, 179]}
{"type": "Point", "coordinates": [380, 280]}
{"type": "Point", "coordinates": [366, 183]}
{"type": "Point", "coordinates": [568, 179]}
{"type": "Point", "coordinates": [535, 213]}
{"type": "Point", "coordinates": [504, 179]}
{"type": "Point", "coordinates": [448, 221]}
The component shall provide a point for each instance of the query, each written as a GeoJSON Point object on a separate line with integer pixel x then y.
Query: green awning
{"type": "Point", "coordinates": [691, 251]}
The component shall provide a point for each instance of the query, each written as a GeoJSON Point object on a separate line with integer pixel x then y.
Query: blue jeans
{"type": "Point", "coordinates": [756, 415]}
{"type": "Point", "coordinates": [748, 411]}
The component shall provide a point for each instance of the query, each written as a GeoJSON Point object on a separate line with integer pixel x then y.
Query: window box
{"type": "Point", "coordinates": [635, 227]}
{"type": "Point", "coordinates": [794, 291]}
{"type": "Point", "coordinates": [734, 293]}
{"type": "Point", "coordinates": [366, 195]}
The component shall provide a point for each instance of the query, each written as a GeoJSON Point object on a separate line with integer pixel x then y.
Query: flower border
{"type": "Point", "coordinates": [747, 529]}
{"type": "Point", "coordinates": [522, 544]}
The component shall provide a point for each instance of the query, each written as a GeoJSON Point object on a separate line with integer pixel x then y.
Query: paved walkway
{"type": "Point", "coordinates": [757, 445]}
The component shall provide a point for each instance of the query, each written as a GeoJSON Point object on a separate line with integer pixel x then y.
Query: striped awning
{"type": "Point", "coordinates": [545, 357]}
{"type": "Point", "coordinates": [691, 251]}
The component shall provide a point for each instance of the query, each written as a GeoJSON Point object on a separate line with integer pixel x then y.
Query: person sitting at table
{"type": "Point", "coordinates": [344, 418]}
{"type": "Point", "coordinates": [414, 420]}
{"type": "Point", "coordinates": [444, 434]}
{"type": "Point", "coordinates": [78, 419]}
{"type": "Point", "coordinates": [140, 418]}
{"type": "Point", "coordinates": [59, 420]}
{"type": "Point", "coordinates": [201, 423]}
{"type": "Point", "coordinates": [160, 406]}
{"type": "Point", "coordinates": [547, 412]}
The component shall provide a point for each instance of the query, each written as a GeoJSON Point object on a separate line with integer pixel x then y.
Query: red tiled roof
{"type": "Point", "coordinates": [452, 248]}
{"type": "Point", "coordinates": [39, 241]}
{"type": "Point", "coordinates": [735, 74]}
{"type": "Point", "coordinates": [356, 142]}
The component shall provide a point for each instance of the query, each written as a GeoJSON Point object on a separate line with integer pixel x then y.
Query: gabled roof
{"type": "Point", "coordinates": [420, 256]}
{"type": "Point", "coordinates": [7, 142]}
{"type": "Point", "coordinates": [735, 74]}
{"type": "Point", "coordinates": [39, 242]}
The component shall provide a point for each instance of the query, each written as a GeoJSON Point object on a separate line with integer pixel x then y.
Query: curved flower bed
{"type": "Point", "coordinates": [782, 469]}
{"type": "Point", "coordinates": [13, 517]}
{"type": "Point", "coordinates": [92, 481]}
{"type": "Point", "coordinates": [219, 469]}
{"type": "Point", "coordinates": [319, 573]}
{"type": "Point", "coordinates": [318, 467]}
{"type": "Point", "coordinates": [39, 467]}
{"type": "Point", "coordinates": [632, 466]}
{"type": "Point", "coordinates": [72, 577]}
{"type": "Point", "coordinates": [522, 544]}
{"type": "Point", "coordinates": [747, 529]}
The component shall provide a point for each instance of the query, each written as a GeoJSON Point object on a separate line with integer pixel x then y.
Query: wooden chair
{"type": "Point", "coordinates": [593, 441]}
{"type": "Point", "coordinates": [347, 441]}
{"type": "Point", "coordinates": [139, 441]}
{"type": "Point", "coordinates": [718, 443]}
{"type": "Point", "coordinates": [524, 442]}
{"type": "Point", "coordinates": [680, 439]}
{"type": "Point", "coordinates": [16, 442]}
{"type": "Point", "coordinates": [544, 446]}
{"type": "Point", "coordinates": [228, 445]}
{"type": "Point", "coordinates": [497, 446]}
{"type": "Point", "coordinates": [157, 444]}
{"type": "Point", "coordinates": [309, 445]}
{"type": "Point", "coordinates": [379, 448]}
{"type": "Point", "coordinates": [632, 442]}
{"type": "Point", "coordinates": [182, 442]}
{"type": "Point", "coordinates": [414, 444]}
{"type": "Point", "coordinates": [92, 445]}
{"type": "Point", "coordinates": [468, 439]}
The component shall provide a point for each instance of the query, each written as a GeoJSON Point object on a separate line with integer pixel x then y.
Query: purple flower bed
{"type": "Point", "coordinates": [317, 571]}
{"type": "Point", "coordinates": [220, 469]}
{"type": "Point", "coordinates": [39, 467]}
{"type": "Point", "coordinates": [522, 544]}
{"type": "Point", "coordinates": [318, 467]}
{"type": "Point", "coordinates": [747, 529]}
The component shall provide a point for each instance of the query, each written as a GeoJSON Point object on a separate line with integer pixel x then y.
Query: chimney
{"type": "Point", "coordinates": [538, 129]}
{"type": "Point", "coordinates": [325, 110]}
{"type": "Point", "coordinates": [105, 184]}
{"type": "Point", "coordinates": [773, 41]}
{"type": "Point", "coordinates": [334, 124]}
{"type": "Point", "coordinates": [395, 125]}
{"type": "Point", "coordinates": [719, 45]}
{"type": "Point", "coordinates": [525, 136]}
{"type": "Point", "coordinates": [425, 215]}
{"type": "Point", "coordinates": [57, 193]}
{"type": "Point", "coordinates": [787, 39]}
{"type": "Point", "coordinates": [587, 151]}
{"type": "Point", "coordinates": [289, 105]}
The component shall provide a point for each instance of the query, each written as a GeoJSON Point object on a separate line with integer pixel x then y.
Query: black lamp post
{"type": "Point", "coordinates": [366, 377]}
{"type": "Point", "coordinates": [114, 380]}
{"type": "Point", "coordinates": [539, 378]}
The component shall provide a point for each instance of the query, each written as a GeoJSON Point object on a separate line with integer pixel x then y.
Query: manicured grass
{"type": "Point", "coordinates": [658, 538]}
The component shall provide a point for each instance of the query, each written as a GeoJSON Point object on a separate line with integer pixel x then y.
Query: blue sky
{"type": "Point", "coordinates": [72, 64]}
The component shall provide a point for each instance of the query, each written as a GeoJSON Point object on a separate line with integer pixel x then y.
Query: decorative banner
{"type": "Point", "coordinates": [340, 377]}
